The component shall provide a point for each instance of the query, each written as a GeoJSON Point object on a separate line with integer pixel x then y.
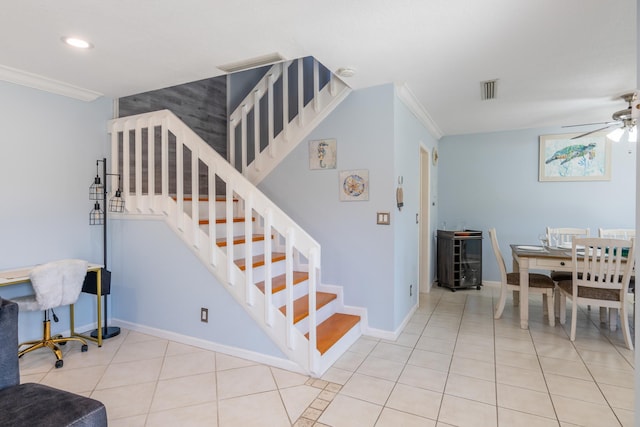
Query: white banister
{"type": "Point", "coordinates": [300, 92]}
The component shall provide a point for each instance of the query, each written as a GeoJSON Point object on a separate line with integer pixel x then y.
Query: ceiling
{"type": "Point", "coordinates": [558, 62]}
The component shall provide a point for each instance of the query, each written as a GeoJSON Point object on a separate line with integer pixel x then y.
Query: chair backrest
{"type": "Point", "coordinates": [565, 235]}
{"type": "Point", "coordinates": [496, 251]}
{"type": "Point", "coordinates": [607, 263]}
{"type": "Point", "coordinates": [617, 233]}
{"type": "Point", "coordinates": [58, 283]}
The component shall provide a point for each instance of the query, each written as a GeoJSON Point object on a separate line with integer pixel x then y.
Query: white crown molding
{"type": "Point", "coordinates": [411, 102]}
{"type": "Point", "coordinates": [46, 84]}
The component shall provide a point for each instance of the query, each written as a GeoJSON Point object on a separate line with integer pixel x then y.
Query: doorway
{"type": "Point", "coordinates": [424, 257]}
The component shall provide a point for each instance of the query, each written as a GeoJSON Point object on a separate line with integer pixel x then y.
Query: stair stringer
{"type": "Point", "coordinates": [185, 222]}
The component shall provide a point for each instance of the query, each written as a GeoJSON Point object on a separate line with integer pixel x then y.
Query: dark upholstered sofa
{"type": "Point", "coordinates": [36, 404]}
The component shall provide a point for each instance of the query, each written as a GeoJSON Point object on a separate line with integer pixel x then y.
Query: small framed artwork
{"type": "Point", "coordinates": [587, 158]}
{"type": "Point", "coordinates": [354, 185]}
{"type": "Point", "coordinates": [323, 154]}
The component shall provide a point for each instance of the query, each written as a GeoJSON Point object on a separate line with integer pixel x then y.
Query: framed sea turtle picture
{"type": "Point", "coordinates": [587, 158]}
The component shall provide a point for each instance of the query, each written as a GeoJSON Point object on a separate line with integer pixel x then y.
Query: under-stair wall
{"type": "Point", "coordinates": [264, 259]}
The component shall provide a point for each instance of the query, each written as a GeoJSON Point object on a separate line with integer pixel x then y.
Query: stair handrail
{"type": "Point", "coordinates": [172, 208]}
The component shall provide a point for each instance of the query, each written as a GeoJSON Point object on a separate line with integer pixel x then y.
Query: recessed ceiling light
{"type": "Point", "coordinates": [76, 42]}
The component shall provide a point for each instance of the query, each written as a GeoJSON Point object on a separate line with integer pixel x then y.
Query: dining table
{"type": "Point", "coordinates": [537, 257]}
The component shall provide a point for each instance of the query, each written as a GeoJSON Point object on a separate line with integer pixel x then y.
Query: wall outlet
{"type": "Point", "coordinates": [410, 290]}
{"type": "Point", "coordinates": [204, 315]}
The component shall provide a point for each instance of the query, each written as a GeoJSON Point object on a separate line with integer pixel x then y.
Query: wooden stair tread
{"type": "Point", "coordinates": [278, 283]}
{"type": "Point", "coordinates": [223, 220]}
{"type": "Point", "coordinates": [301, 305]}
{"type": "Point", "coordinates": [222, 242]}
{"type": "Point", "coordinates": [332, 329]}
{"type": "Point", "coordinates": [258, 260]}
{"type": "Point", "coordinates": [204, 198]}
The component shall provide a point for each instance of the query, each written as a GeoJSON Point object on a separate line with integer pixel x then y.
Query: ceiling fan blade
{"type": "Point", "coordinates": [590, 124]}
{"type": "Point", "coordinates": [593, 131]}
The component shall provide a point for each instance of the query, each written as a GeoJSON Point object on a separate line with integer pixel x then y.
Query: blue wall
{"type": "Point", "coordinates": [491, 180]}
{"type": "Point", "coordinates": [47, 163]}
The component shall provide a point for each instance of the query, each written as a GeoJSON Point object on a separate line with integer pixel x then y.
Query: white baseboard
{"type": "Point", "coordinates": [389, 335]}
{"type": "Point", "coordinates": [212, 346]}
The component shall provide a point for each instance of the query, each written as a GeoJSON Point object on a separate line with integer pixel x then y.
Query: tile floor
{"type": "Point", "coordinates": [453, 365]}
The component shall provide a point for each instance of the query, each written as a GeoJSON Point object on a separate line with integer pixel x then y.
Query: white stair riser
{"type": "Point", "coordinates": [221, 229]}
{"type": "Point", "coordinates": [321, 315]}
{"type": "Point", "coordinates": [280, 298]}
{"type": "Point", "coordinates": [277, 268]}
{"type": "Point", "coordinates": [239, 250]}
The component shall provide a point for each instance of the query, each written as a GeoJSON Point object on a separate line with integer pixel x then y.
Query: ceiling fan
{"type": "Point", "coordinates": [623, 120]}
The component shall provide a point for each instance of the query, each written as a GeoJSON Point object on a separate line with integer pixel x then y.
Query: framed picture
{"type": "Point", "coordinates": [354, 185]}
{"type": "Point", "coordinates": [323, 154]}
{"type": "Point", "coordinates": [587, 158]}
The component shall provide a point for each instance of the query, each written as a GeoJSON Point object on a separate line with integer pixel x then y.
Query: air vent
{"type": "Point", "coordinates": [489, 89]}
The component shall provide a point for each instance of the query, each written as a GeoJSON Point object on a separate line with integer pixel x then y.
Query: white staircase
{"type": "Point", "coordinates": [262, 257]}
{"type": "Point", "coordinates": [306, 93]}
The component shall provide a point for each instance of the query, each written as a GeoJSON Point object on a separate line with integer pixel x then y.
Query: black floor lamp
{"type": "Point", "coordinates": [97, 192]}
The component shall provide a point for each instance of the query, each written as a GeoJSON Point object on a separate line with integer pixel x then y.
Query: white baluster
{"type": "Point", "coordinates": [244, 143]}
{"type": "Point", "coordinates": [285, 101]}
{"type": "Point", "coordinates": [270, 115]}
{"type": "Point", "coordinates": [316, 85]}
{"type": "Point", "coordinates": [248, 249]}
{"type": "Point", "coordinates": [256, 130]}
{"type": "Point", "coordinates": [211, 169]}
{"type": "Point", "coordinates": [289, 245]}
{"type": "Point", "coordinates": [268, 271]}
{"type": "Point", "coordinates": [195, 196]}
{"type": "Point", "coordinates": [300, 92]}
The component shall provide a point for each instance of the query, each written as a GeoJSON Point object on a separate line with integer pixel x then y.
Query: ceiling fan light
{"type": "Point", "coordinates": [615, 135]}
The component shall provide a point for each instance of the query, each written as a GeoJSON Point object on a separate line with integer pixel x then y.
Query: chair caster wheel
{"type": "Point", "coordinates": [84, 348]}
{"type": "Point", "coordinates": [478, 287]}
{"type": "Point", "coordinates": [59, 363]}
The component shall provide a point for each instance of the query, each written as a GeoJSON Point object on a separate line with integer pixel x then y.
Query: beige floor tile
{"type": "Point", "coordinates": [297, 399]}
{"type": "Point", "coordinates": [242, 381]}
{"type": "Point", "coordinates": [381, 368]}
{"type": "Point", "coordinates": [370, 389]}
{"type": "Point", "coordinates": [95, 356]}
{"type": "Point", "coordinates": [564, 351]}
{"type": "Point", "coordinates": [389, 351]}
{"type": "Point", "coordinates": [350, 361]}
{"type": "Point", "coordinates": [611, 376]}
{"type": "Point", "coordinates": [460, 412]}
{"type": "Point", "coordinates": [203, 415]}
{"type": "Point", "coordinates": [475, 352]}
{"type": "Point", "coordinates": [363, 345]}
{"type": "Point", "coordinates": [186, 364]}
{"type": "Point", "coordinates": [253, 411]}
{"type": "Point", "coordinates": [437, 345]}
{"type": "Point", "coordinates": [416, 401]}
{"type": "Point", "coordinates": [126, 401]}
{"type": "Point", "coordinates": [407, 339]}
{"type": "Point", "coordinates": [345, 411]}
{"type": "Point", "coordinates": [286, 378]}
{"type": "Point", "coordinates": [584, 413]}
{"type": "Point", "coordinates": [225, 362]}
{"type": "Point", "coordinates": [473, 368]}
{"type": "Point", "coordinates": [567, 368]}
{"type": "Point", "coordinates": [140, 350]}
{"type": "Point", "coordinates": [519, 345]}
{"type": "Point", "coordinates": [574, 388]}
{"type": "Point", "coordinates": [618, 397]}
{"type": "Point", "coordinates": [135, 421]}
{"type": "Point", "coordinates": [337, 375]}
{"type": "Point", "coordinates": [426, 378]}
{"type": "Point", "coordinates": [431, 360]}
{"type": "Point", "coordinates": [133, 372]}
{"type": "Point", "coordinates": [508, 417]}
{"type": "Point", "coordinates": [523, 400]}
{"type": "Point", "coordinates": [175, 349]}
{"type": "Point", "coordinates": [518, 360]}
{"type": "Point", "coordinates": [443, 333]}
{"type": "Point", "coordinates": [392, 418]}
{"type": "Point", "coordinates": [471, 388]}
{"type": "Point", "coordinates": [627, 418]}
{"type": "Point", "coordinates": [184, 391]}
{"type": "Point", "coordinates": [524, 378]}
{"type": "Point", "coordinates": [607, 358]}
{"type": "Point", "coordinates": [74, 380]}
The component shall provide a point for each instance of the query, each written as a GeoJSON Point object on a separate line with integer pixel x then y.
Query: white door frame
{"type": "Point", "coordinates": [424, 220]}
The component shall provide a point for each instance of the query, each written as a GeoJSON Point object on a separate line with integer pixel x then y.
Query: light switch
{"type": "Point", "coordinates": [384, 218]}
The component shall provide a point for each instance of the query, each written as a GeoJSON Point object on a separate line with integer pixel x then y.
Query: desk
{"type": "Point", "coordinates": [21, 275]}
{"type": "Point", "coordinates": [525, 260]}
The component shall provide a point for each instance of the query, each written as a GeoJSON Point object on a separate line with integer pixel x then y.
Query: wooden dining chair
{"type": "Point", "coordinates": [618, 233]}
{"type": "Point", "coordinates": [562, 237]}
{"type": "Point", "coordinates": [601, 279]}
{"type": "Point", "coordinates": [538, 283]}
